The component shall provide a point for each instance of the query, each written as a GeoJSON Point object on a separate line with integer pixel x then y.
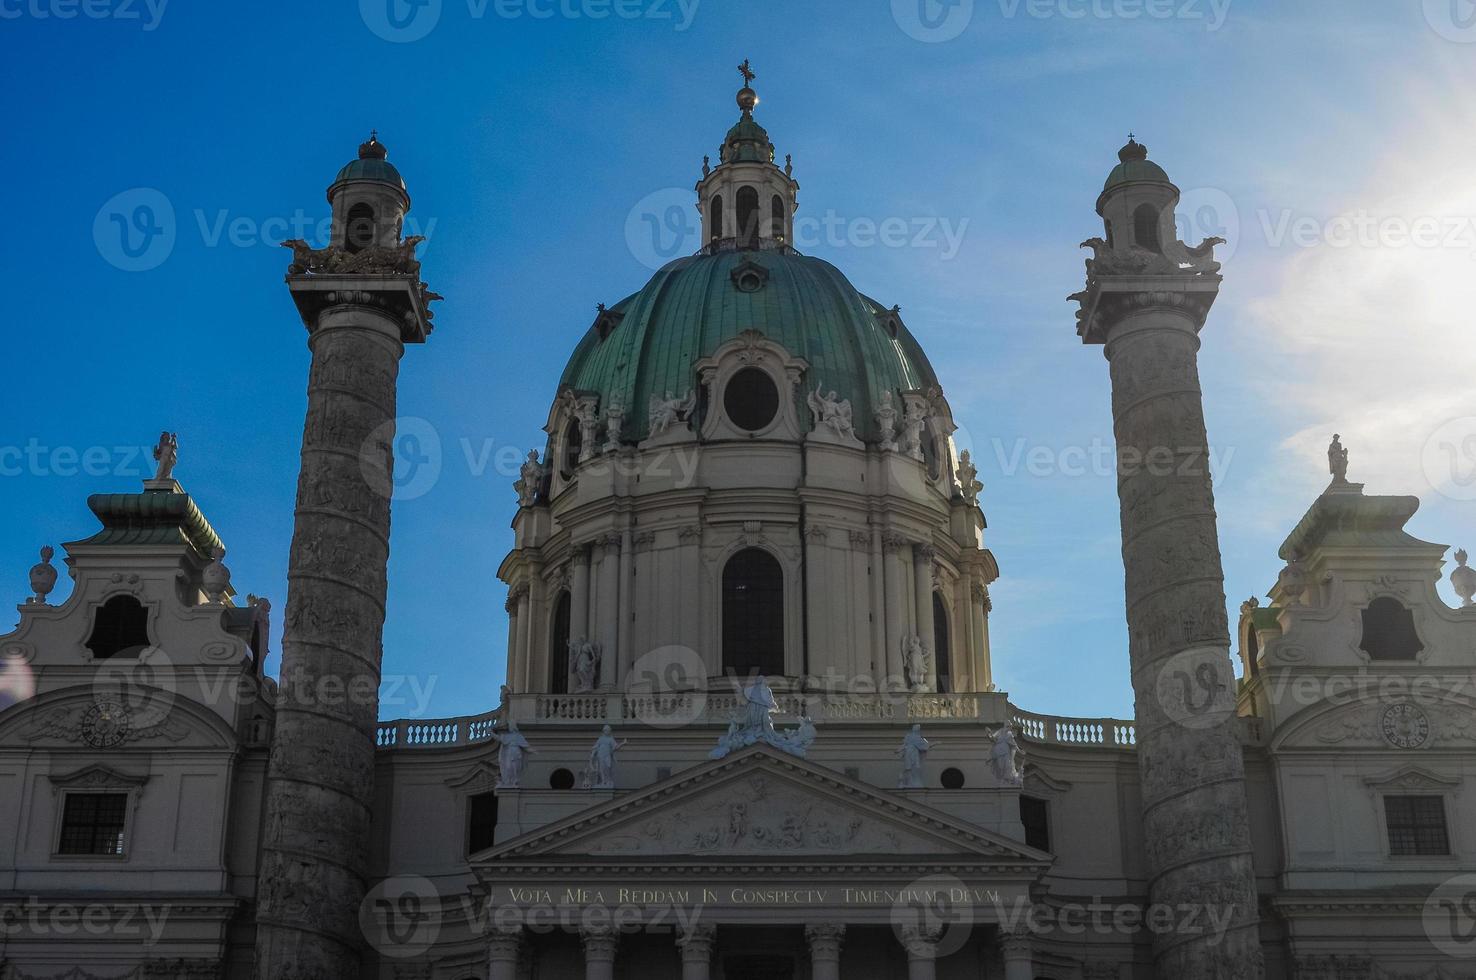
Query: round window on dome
{"type": "Point", "coordinates": [750, 282]}
{"type": "Point", "coordinates": [751, 399]}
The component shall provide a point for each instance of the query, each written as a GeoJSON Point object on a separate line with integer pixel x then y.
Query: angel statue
{"type": "Point", "coordinates": [666, 412]}
{"type": "Point", "coordinates": [601, 771]}
{"type": "Point", "coordinates": [833, 411]}
{"type": "Point", "coordinates": [914, 753]}
{"type": "Point", "coordinates": [510, 756]}
{"type": "Point", "coordinates": [912, 431]}
{"type": "Point", "coordinates": [167, 454]}
{"type": "Point", "coordinates": [915, 661]}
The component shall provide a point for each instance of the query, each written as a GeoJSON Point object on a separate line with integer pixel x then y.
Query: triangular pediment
{"type": "Point", "coordinates": [760, 804]}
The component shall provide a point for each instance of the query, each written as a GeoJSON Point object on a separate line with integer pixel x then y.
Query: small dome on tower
{"type": "Point", "coordinates": [1134, 166]}
{"type": "Point", "coordinates": [370, 165]}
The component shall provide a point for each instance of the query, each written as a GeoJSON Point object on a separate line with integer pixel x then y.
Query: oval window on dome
{"type": "Point", "coordinates": [751, 399]}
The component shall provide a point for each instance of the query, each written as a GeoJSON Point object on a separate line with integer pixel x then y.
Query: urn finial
{"type": "Point", "coordinates": [1463, 580]}
{"type": "Point", "coordinates": [215, 578]}
{"type": "Point", "coordinates": [43, 577]}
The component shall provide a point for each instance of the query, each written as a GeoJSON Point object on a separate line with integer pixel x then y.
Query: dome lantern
{"type": "Point", "coordinates": [747, 201]}
{"type": "Point", "coordinates": [369, 199]}
{"type": "Point", "coordinates": [1137, 202]}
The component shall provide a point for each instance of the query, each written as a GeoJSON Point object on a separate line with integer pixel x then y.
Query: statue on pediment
{"type": "Point", "coordinates": [601, 771]}
{"type": "Point", "coordinates": [511, 755]}
{"type": "Point", "coordinates": [914, 753]}
{"type": "Point", "coordinates": [1007, 758]}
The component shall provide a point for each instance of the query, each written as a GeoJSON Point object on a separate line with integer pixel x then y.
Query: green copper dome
{"type": "Point", "coordinates": [371, 165]}
{"type": "Point", "coordinates": [648, 343]}
{"type": "Point", "coordinates": [1134, 165]}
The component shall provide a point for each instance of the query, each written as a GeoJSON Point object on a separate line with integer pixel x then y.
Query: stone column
{"type": "Point", "coordinates": [600, 945]}
{"type": "Point", "coordinates": [825, 939]}
{"type": "Point", "coordinates": [321, 774]}
{"type": "Point", "coordinates": [535, 655]}
{"type": "Point", "coordinates": [579, 594]}
{"type": "Point", "coordinates": [1018, 952]}
{"type": "Point", "coordinates": [979, 617]}
{"type": "Point", "coordinates": [922, 951]}
{"type": "Point", "coordinates": [511, 605]}
{"type": "Point", "coordinates": [1189, 757]}
{"type": "Point", "coordinates": [818, 585]}
{"type": "Point", "coordinates": [504, 947]}
{"type": "Point", "coordinates": [519, 656]}
{"type": "Point", "coordinates": [623, 602]}
{"type": "Point", "coordinates": [608, 630]}
{"type": "Point", "coordinates": [896, 572]}
{"type": "Point", "coordinates": [696, 942]}
{"type": "Point", "coordinates": [922, 593]}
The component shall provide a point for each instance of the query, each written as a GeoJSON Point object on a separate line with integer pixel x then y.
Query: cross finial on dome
{"type": "Point", "coordinates": [372, 149]}
{"type": "Point", "coordinates": [747, 97]}
{"type": "Point", "coordinates": [747, 72]}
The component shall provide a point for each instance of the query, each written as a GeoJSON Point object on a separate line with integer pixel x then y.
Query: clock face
{"type": "Point", "coordinates": [1405, 726]}
{"type": "Point", "coordinates": [105, 724]}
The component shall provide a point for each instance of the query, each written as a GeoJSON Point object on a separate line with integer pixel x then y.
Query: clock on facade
{"type": "Point", "coordinates": [105, 724]}
{"type": "Point", "coordinates": [1405, 726]}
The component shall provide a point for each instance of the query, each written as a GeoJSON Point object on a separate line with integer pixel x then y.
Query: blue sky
{"type": "Point", "coordinates": [536, 135]}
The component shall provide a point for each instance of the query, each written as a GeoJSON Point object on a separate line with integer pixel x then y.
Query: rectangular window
{"type": "Point", "coordinates": [92, 823]}
{"type": "Point", "coordinates": [1416, 825]}
{"type": "Point", "coordinates": [482, 822]}
{"type": "Point", "coordinates": [1035, 814]}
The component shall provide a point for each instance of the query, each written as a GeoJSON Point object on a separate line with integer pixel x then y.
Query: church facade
{"type": "Point", "coordinates": [750, 729]}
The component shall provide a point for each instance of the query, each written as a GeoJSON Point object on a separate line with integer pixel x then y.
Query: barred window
{"type": "Point", "coordinates": [92, 823]}
{"type": "Point", "coordinates": [1416, 825]}
{"type": "Point", "coordinates": [481, 822]}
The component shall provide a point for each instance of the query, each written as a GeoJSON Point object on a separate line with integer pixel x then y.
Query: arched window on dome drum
{"type": "Point", "coordinates": [715, 219]}
{"type": "Point", "coordinates": [1145, 228]}
{"type": "Point", "coordinates": [558, 647]}
{"type": "Point", "coordinates": [358, 233]}
{"type": "Point", "coordinates": [573, 445]}
{"type": "Point", "coordinates": [942, 651]}
{"type": "Point", "coordinates": [1389, 631]}
{"type": "Point", "coordinates": [776, 217]}
{"type": "Point", "coordinates": [748, 214]}
{"type": "Point", "coordinates": [753, 614]}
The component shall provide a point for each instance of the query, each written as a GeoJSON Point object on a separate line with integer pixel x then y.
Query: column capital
{"type": "Point", "coordinates": [923, 553]}
{"type": "Point", "coordinates": [825, 939]}
{"type": "Point", "coordinates": [505, 944]}
{"type": "Point", "coordinates": [600, 943]}
{"type": "Point", "coordinates": [1018, 944]}
{"type": "Point", "coordinates": [894, 542]}
{"type": "Point", "coordinates": [696, 942]}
